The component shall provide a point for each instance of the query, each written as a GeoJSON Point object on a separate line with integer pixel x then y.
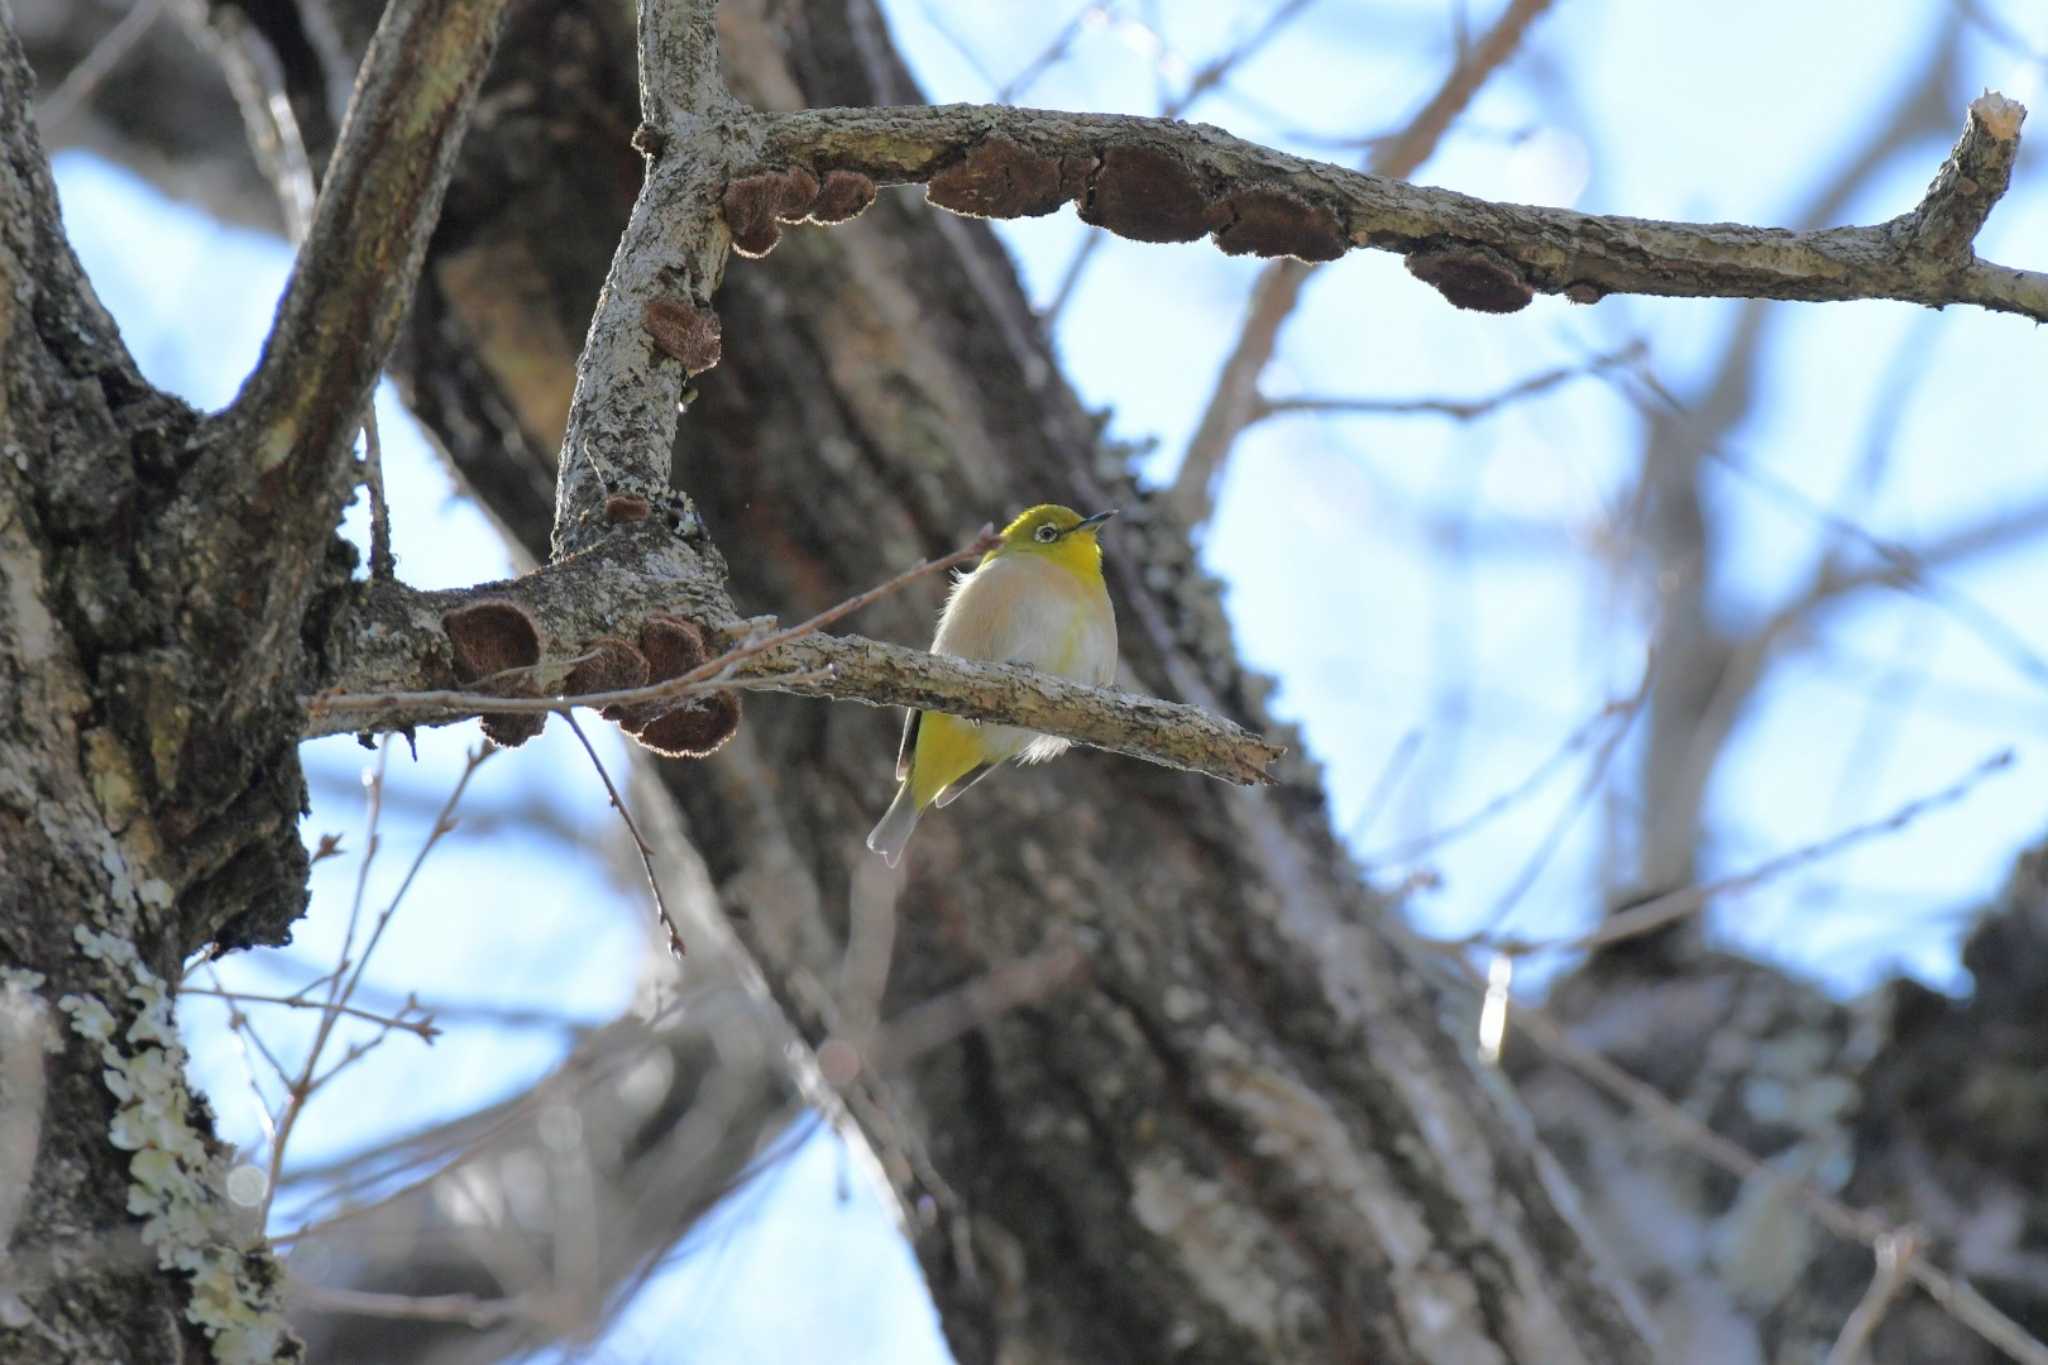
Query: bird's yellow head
{"type": "Point", "coordinates": [1057, 533]}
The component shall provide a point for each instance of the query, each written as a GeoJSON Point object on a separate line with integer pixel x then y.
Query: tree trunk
{"type": "Point", "coordinates": [145, 808]}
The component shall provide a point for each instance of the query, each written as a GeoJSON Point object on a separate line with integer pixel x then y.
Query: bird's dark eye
{"type": "Point", "coordinates": [1046, 534]}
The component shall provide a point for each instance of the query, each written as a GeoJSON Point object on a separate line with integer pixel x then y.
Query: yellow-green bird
{"type": "Point", "coordinates": [1037, 598]}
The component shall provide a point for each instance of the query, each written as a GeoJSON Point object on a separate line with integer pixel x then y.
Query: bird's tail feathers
{"type": "Point", "coordinates": [893, 830]}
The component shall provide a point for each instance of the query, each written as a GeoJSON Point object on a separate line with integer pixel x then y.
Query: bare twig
{"type": "Point", "coordinates": [341, 986]}
{"type": "Point", "coordinates": [1895, 1252]}
{"type": "Point", "coordinates": [1589, 785]}
{"type": "Point", "coordinates": [382, 563]}
{"type": "Point", "coordinates": [56, 108]}
{"type": "Point", "coordinates": [468, 1309]}
{"type": "Point", "coordinates": [935, 15]}
{"type": "Point", "coordinates": [422, 1027]}
{"type": "Point", "coordinates": [1232, 403]}
{"type": "Point", "coordinates": [1457, 409]}
{"type": "Point", "coordinates": [1384, 786]}
{"type": "Point", "coordinates": [1053, 52]}
{"type": "Point", "coordinates": [1211, 74]}
{"type": "Point", "coordinates": [724, 664]}
{"type": "Point", "coordinates": [668, 922]}
{"type": "Point", "coordinates": [1622, 708]}
{"type": "Point", "coordinates": [1654, 914]}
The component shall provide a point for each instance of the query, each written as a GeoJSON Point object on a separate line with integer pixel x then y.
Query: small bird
{"type": "Point", "coordinates": [1037, 598]}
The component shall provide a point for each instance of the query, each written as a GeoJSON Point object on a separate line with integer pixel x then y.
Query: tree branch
{"type": "Point", "coordinates": [848, 668]}
{"type": "Point", "coordinates": [669, 262]}
{"type": "Point", "coordinates": [1279, 286]}
{"type": "Point", "coordinates": [1154, 180]}
{"type": "Point", "coordinates": [396, 670]}
{"type": "Point", "coordinates": [1972, 180]}
{"type": "Point", "coordinates": [356, 270]}
{"type": "Point", "coordinates": [1457, 409]}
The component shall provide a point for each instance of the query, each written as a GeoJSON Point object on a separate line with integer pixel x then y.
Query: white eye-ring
{"type": "Point", "coordinates": [1046, 534]}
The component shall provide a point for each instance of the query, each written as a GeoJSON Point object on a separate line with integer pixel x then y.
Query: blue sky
{"type": "Point", "coordinates": [1328, 536]}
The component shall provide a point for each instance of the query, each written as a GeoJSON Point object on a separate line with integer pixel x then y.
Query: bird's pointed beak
{"type": "Point", "coordinates": [1094, 522]}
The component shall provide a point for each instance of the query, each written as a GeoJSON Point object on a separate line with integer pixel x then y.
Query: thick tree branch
{"type": "Point", "coordinates": [1155, 180]}
{"type": "Point", "coordinates": [356, 270]}
{"type": "Point", "coordinates": [622, 417]}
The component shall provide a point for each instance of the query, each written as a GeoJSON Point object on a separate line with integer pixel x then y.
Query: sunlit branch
{"type": "Point", "coordinates": [1155, 180]}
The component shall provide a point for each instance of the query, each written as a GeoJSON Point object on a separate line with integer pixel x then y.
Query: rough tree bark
{"type": "Point", "coordinates": [163, 569]}
{"type": "Point", "coordinates": [1248, 1134]}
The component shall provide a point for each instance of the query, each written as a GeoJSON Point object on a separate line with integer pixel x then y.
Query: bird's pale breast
{"type": "Point", "coordinates": [1026, 609]}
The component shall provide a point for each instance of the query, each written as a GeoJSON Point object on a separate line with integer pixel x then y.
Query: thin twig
{"type": "Point", "coordinates": [60, 104]}
{"type": "Point", "coordinates": [422, 1027]}
{"type": "Point", "coordinates": [341, 987]}
{"type": "Point", "coordinates": [1578, 739]}
{"type": "Point", "coordinates": [723, 665]}
{"type": "Point", "coordinates": [1654, 914]}
{"type": "Point", "coordinates": [935, 15]}
{"type": "Point", "coordinates": [668, 922]}
{"type": "Point", "coordinates": [246, 1038]}
{"type": "Point", "coordinates": [1458, 409]}
{"type": "Point", "coordinates": [382, 563]}
{"type": "Point", "coordinates": [373, 783]}
{"type": "Point", "coordinates": [1053, 52]}
{"type": "Point", "coordinates": [1278, 288]}
{"type": "Point", "coordinates": [468, 1309]}
{"type": "Point", "coordinates": [1383, 787]}
{"type": "Point", "coordinates": [1894, 1252]}
{"type": "Point", "coordinates": [1596, 773]}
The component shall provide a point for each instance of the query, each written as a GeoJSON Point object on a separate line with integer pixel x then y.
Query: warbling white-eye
{"type": "Point", "coordinates": [1037, 598]}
